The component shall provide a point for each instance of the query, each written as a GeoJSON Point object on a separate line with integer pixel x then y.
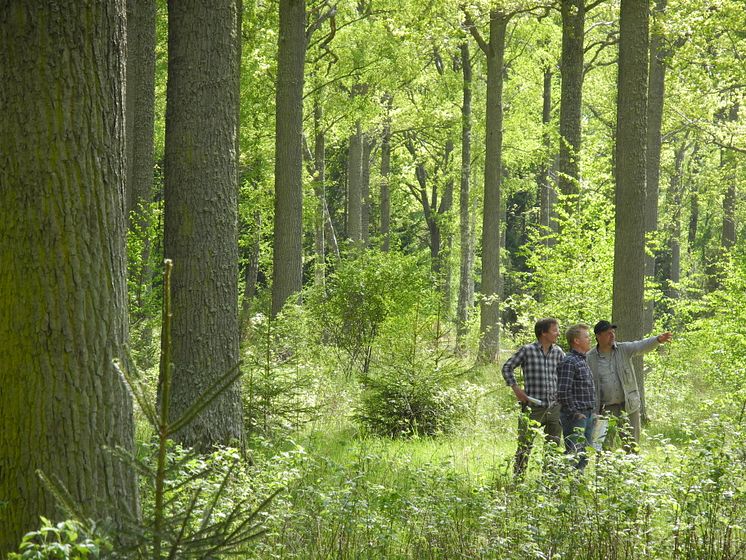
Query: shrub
{"type": "Point", "coordinates": [68, 540]}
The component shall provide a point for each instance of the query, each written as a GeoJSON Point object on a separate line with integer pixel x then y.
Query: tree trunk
{"type": "Point", "coordinates": [675, 241]}
{"type": "Point", "coordinates": [287, 250]}
{"type": "Point", "coordinates": [629, 243]}
{"type": "Point", "coordinates": [656, 88]}
{"type": "Point", "coordinates": [466, 255]}
{"type": "Point", "coordinates": [355, 187]}
{"type": "Point", "coordinates": [571, 67]}
{"type": "Point", "coordinates": [319, 183]}
{"type": "Point", "coordinates": [63, 305]}
{"type": "Point", "coordinates": [367, 145]}
{"type": "Point", "coordinates": [547, 194]}
{"type": "Point", "coordinates": [251, 274]}
{"type": "Point", "coordinates": [489, 328]}
{"type": "Point", "coordinates": [729, 166]}
{"type": "Point", "coordinates": [201, 198]}
{"type": "Point", "coordinates": [385, 171]}
{"type": "Point", "coordinates": [140, 99]}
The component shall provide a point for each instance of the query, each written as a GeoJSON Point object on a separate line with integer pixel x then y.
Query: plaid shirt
{"type": "Point", "coordinates": [575, 389]}
{"type": "Point", "coordinates": [539, 370]}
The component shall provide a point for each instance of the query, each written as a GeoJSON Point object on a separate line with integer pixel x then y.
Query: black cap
{"type": "Point", "coordinates": [602, 326]}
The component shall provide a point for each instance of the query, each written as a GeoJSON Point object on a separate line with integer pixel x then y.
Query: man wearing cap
{"type": "Point", "coordinates": [538, 398]}
{"type": "Point", "coordinates": [617, 393]}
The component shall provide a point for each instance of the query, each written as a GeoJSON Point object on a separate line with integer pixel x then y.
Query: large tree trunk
{"type": "Point", "coordinates": [489, 328]}
{"type": "Point", "coordinates": [571, 67]}
{"type": "Point", "coordinates": [287, 254]}
{"type": "Point", "coordinates": [385, 171]}
{"type": "Point", "coordinates": [656, 88]}
{"type": "Point", "coordinates": [355, 187]}
{"type": "Point", "coordinates": [140, 100]}
{"type": "Point", "coordinates": [466, 255]}
{"type": "Point", "coordinates": [201, 212]}
{"type": "Point", "coordinates": [63, 306]}
{"type": "Point", "coordinates": [629, 243]}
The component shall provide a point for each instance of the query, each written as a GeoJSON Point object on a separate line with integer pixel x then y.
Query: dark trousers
{"type": "Point", "coordinates": [547, 418]}
{"type": "Point", "coordinates": [578, 434]}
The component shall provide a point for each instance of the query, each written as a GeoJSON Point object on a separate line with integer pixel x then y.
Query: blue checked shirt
{"type": "Point", "coordinates": [539, 370]}
{"type": "Point", "coordinates": [575, 390]}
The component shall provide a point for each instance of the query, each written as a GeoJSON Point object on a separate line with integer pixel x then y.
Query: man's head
{"type": "Point", "coordinates": [605, 334]}
{"type": "Point", "coordinates": [547, 330]}
{"type": "Point", "coordinates": [579, 338]}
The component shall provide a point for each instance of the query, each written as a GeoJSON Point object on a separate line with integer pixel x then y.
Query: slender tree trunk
{"type": "Point", "coordinates": [629, 243]}
{"type": "Point", "coordinates": [571, 100]}
{"type": "Point", "coordinates": [446, 205]}
{"type": "Point", "coordinates": [489, 344]}
{"type": "Point", "coordinates": [63, 305]}
{"type": "Point", "coordinates": [201, 214]}
{"type": "Point", "coordinates": [355, 187]}
{"type": "Point", "coordinates": [547, 194]}
{"type": "Point", "coordinates": [675, 241]}
{"type": "Point", "coordinates": [287, 253]}
{"type": "Point", "coordinates": [466, 260]}
{"type": "Point", "coordinates": [729, 166]}
{"type": "Point", "coordinates": [319, 182]}
{"type": "Point", "coordinates": [251, 274]}
{"type": "Point", "coordinates": [367, 145]}
{"type": "Point", "coordinates": [656, 88]}
{"type": "Point", "coordinates": [385, 170]}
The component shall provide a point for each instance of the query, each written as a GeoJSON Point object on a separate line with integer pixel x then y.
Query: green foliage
{"type": "Point", "coordinates": [67, 540]}
{"type": "Point", "coordinates": [360, 296]}
{"type": "Point", "coordinates": [413, 387]}
{"type": "Point", "coordinates": [571, 273]}
{"type": "Point", "coordinates": [282, 376]}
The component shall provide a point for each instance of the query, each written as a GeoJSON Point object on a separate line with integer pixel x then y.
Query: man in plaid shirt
{"type": "Point", "coordinates": [577, 394]}
{"type": "Point", "coordinates": [538, 398]}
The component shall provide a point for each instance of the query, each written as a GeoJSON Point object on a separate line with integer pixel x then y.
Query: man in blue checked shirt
{"type": "Point", "coordinates": [538, 398]}
{"type": "Point", "coordinates": [577, 394]}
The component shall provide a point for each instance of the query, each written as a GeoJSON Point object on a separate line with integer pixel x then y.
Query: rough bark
{"type": "Point", "coordinates": [571, 67]}
{"type": "Point", "coordinates": [466, 254]}
{"type": "Point", "coordinates": [656, 88]}
{"type": "Point", "coordinates": [489, 328]}
{"type": "Point", "coordinates": [140, 100]}
{"type": "Point", "coordinates": [287, 250]}
{"type": "Point", "coordinates": [63, 307]}
{"type": "Point", "coordinates": [629, 243]}
{"type": "Point", "coordinates": [201, 192]}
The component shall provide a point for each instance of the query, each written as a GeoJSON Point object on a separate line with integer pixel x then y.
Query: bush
{"type": "Point", "coordinates": [361, 295]}
{"type": "Point", "coordinates": [413, 386]}
{"type": "Point", "coordinates": [68, 540]}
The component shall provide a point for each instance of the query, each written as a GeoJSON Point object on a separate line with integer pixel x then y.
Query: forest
{"type": "Point", "coordinates": [262, 263]}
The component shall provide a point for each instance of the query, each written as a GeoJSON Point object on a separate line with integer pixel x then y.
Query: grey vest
{"type": "Point", "coordinates": [621, 355]}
